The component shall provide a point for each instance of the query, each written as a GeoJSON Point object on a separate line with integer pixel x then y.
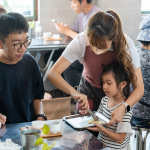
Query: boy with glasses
{"type": "Point", "coordinates": [21, 82]}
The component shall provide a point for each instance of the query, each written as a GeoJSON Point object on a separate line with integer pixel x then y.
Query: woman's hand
{"type": "Point", "coordinates": [117, 115]}
{"type": "Point", "coordinates": [82, 98]}
{"type": "Point", "coordinates": [83, 112]}
{"type": "Point", "coordinates": [2, 118]}
{"type": "Point", "coordinates": [98, 128]}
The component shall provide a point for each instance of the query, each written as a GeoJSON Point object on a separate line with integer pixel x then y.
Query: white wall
{"type": "Point", "coordinates": [130, 14]}
{"type": "Point", "coordinates": [61, 11]}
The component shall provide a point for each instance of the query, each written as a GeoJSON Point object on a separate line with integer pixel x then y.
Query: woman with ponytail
{"type": "Point", "coordinates": [102, 43]}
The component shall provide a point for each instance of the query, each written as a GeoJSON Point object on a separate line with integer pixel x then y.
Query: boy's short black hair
{"type": "Point", "coordinates": [12, 23]}
{"type": "Point", "coordinates": [88, 1]}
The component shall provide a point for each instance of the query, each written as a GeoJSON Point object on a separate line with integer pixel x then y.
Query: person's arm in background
{"type": "Point", "coordinates": [55, 77]}
{"type": "Point", "coordinates": [39, 93]}
{"type": "Point", "coordinates": [38, 108]}
{"type": "Point", "coordinates": [63, 28]}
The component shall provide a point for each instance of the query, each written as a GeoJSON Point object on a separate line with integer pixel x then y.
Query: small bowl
{"type": "Point", "coordinates": [47, 34]}
{"type": "Point", "coordinates": [56, 36]}
{"type": "Point", "coordinates": [38, 124]}
{"type": "Point", "coordinates": [54, 127]}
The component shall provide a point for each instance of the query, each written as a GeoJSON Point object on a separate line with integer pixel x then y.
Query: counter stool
{"type": "Point", "coordinates": [140, 141]}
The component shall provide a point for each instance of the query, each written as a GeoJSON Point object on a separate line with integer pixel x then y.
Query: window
{"type": "Point", "coordinates": [28, 8]}
{"type": "Point", "coordinates": [145, 6]}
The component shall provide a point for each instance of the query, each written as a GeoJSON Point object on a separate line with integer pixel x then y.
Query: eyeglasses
{"type": "Point", "coordinates": [19, 45]}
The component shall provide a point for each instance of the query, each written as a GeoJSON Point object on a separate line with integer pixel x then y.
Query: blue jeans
{"type": "Point", "coordinates": [143, 123]}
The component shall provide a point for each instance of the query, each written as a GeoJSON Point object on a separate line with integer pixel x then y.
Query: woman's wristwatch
{"type": "Point", "coordinates": [41, 115]}
{"type": "Point", "coordinates": [127, 107]}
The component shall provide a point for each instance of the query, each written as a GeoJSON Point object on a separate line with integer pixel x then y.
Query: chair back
{"type": "Point", "coordinates": [57, 108]}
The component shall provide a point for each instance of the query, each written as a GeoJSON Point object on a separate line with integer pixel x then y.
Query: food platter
{"type": "Point", "coordinates": [80, 122]}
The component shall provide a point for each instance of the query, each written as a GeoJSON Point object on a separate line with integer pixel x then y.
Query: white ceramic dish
{"type": "Point", "coordinates": [56, 36]}
{"type": "Point", "coordinates": [38, 124]}
{"type": "Point", "coordinates": [47, 34]}
{"type": "Point", "coordinates": [9, 146]}
{"type": "Point", "coordinates": [54, 126]}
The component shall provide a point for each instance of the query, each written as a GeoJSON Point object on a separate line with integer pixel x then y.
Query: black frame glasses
{"type": "Point", "coordinates": [17, 47]}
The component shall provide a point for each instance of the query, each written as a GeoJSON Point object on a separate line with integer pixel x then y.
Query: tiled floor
{"type": "Point", "coordinates": [133, 141]}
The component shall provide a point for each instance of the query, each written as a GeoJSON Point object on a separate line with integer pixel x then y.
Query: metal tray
{"type": "Point", "coordinates": [80, 122]}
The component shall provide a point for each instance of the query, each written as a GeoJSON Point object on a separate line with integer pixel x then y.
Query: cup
{"type": "Point", "coordinates": [56, 36]}
{"type": "Point", "coordinates": [47, 34]}
{"type": "Point", "coordinates": [54, 127]}
{"type": "Point", "coordinates": [38, 124]}
{"type": "Point", "coordinates": [28, 141]}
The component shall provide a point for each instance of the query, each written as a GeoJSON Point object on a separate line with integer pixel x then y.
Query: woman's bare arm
{"type": "Point", "coordinates": [54, 76]}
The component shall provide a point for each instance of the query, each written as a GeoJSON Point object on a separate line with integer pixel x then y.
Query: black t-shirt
{"type": "Point", "coordinates": [20, 85]}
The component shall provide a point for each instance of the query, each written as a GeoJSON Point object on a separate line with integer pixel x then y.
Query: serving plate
{"type": "Point", "coordinates": [80, 122]}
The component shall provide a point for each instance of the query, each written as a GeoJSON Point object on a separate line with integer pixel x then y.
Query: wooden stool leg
{"type": "Point", "coordinates": [144, 141]}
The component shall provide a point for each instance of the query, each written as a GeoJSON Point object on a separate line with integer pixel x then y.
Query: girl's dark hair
{"type": "Point", "coordinates": [107, 26]}
{"type": "Point", "coordinates": [119, 74]}
{"type": "Point", "coordinates": [12, 23]}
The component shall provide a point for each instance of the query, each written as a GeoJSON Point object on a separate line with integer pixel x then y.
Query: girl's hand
{"type": "Point", "coordinates": [83, 99]}
{"type": "Point", "coordinates": [98, 128]}
{"type": "Point", "coordinates": [117, 115]}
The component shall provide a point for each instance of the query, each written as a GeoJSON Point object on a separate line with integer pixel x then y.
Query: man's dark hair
{"type": "Point", "coordinates": [2, 10]}
{"type": "Point", "coordinates": [12, 23]}
{"type": "Point", "coordinates": [88, 1]}
{"type": "Point", "coordinates": [145, 43]}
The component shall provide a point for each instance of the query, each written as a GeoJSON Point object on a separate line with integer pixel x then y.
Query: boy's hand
{"type": "Point", "coordinates": [98, 127]}
{"type": "Point", "coordinates": [2, 118]}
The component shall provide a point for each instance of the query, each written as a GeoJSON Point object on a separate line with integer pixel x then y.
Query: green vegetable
{"type": "Point", "coordinates": [47, 147]}
{"type": "Point", "coordinates": [45, 129]}
{"type": "Point", "coordinates": [39, 141]}
{"type": "Point", "coordinates": [31, 24]}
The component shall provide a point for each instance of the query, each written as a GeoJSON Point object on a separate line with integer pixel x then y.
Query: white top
{"type": "Point", "coordinates": [121, 127]}
{"type": "Point", "coordinates": [76, 49]}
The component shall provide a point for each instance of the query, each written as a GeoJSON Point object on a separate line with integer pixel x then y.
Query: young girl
{"type": "Point", "coordinates": [116, 85]}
